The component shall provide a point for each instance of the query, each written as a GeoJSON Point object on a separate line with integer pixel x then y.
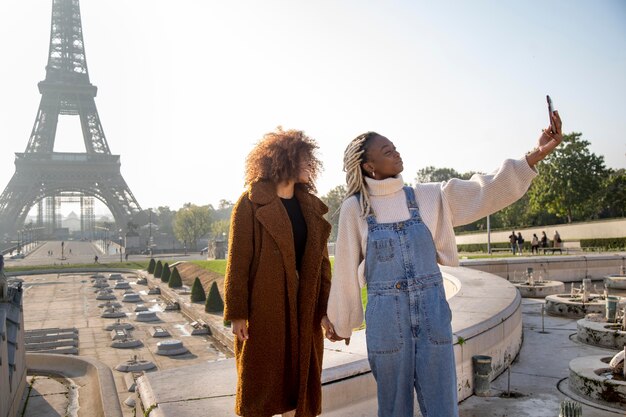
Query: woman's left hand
{"type": "Point", "coordinates": [329, 329]}
{"type": "Point", "coordinates": [548, 141]}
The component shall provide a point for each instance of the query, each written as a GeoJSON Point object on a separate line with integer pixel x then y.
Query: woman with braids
{"type": "Point", "coordinates": [278, 279]}
{"type": "Point", "coordinates": [392, 238]}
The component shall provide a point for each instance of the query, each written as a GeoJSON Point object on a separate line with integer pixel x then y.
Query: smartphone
{"type": "Point", "coordinates": [550, 113]}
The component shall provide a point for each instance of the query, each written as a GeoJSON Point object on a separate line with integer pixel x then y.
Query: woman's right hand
{"type": "Point", "coordinates": [240, 329]}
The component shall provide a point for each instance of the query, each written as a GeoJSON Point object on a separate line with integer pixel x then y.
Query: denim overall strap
{"type": "Point", "coordinates": [408, 331]}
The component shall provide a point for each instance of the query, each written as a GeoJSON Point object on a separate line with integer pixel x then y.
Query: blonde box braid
{"type": "Point", "coordinates": [353, 157]}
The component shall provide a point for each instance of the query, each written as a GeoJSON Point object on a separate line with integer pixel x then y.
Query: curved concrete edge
{"type": "Point", "coordinates": [597, 334]}
{"type": "Point", "coordinates": [561, 305]}
{"type": "Point", "coordinates": [585, 382]}
{"type": "Point", "coordinates": [486, 320]}
{"type": "Point", "coordinates": [91, 375]}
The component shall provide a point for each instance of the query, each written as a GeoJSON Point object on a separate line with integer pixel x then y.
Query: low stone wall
{"type": "Point", "coordinates": [600, 229]}
{"type": "Point", "coordinates": [551, 267]}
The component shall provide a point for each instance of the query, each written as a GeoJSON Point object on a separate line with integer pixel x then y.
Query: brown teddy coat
{"type": "Point", "coordinates": [279, 367]}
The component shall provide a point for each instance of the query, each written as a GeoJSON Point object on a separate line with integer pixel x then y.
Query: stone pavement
{"type": "Point", "coordinates": [68, 300]}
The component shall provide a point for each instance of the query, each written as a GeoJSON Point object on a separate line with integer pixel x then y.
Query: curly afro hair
{"type": "Point", "coordinates": [276, 158]}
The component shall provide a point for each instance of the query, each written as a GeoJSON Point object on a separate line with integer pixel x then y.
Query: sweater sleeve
{"type": "Point", "coordinates": [240, 254]}
{"type": "Point", "coordinates": [473, 199]}
{"type": "Point", "coordinates": [345, 309]}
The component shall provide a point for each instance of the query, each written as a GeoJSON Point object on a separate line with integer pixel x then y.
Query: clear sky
{"type": "Point", "coordinates": [186, 88]}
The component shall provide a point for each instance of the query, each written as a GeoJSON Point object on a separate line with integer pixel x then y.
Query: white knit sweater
{"type": "Point", "coordinates": [442, 206]}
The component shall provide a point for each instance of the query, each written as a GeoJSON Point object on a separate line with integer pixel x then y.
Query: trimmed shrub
{"type": "Point", "coordinates": [613, 243]}
{"type": "Point", "coordinates": [175, 281]}
{"type": "Point", "coordinates": [197, 291]}
{"type": "Point", "coordinates": [165, 276]}
{"type": "Point", "coordinates": [151, 266]}
{"type": "Point", "coordinates": [214, 303]}
{"type": "Point", "coordinates": [158, 269]}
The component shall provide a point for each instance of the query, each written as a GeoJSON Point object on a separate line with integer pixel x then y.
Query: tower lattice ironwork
{"type": "Point", "coordinates": [39, 171]}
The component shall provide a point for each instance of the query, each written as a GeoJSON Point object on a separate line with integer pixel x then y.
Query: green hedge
{"type": "Point", "coordinates": [197, 291]}
{"type": "Point", "coordinates": [151, 266]}
{"type": "Point", "coordinates": [613, 243]}
{"type": "Point", "coordinates": [175, 280]}
{"type": "Point", "coordinates": [165, 276]}
{"type": "Point", "coordinates": [214, 303]}
{"type": "Point", "coordinates": [158, 269]}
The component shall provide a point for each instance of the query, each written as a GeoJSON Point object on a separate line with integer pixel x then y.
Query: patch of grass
{"type": "Point", "coordinates": [216, 265]}
{"type": "Point", "coordinates": [130, 265]}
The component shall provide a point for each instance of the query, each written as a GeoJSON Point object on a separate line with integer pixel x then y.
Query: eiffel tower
{"type": "Point", "coordinates": [39, 171]}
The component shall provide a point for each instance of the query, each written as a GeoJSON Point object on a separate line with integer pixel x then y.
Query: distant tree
{"type": "Point", "coordinates": [613, 201]}
{"type": "Point", "coordinates": [158, 269]}
{"type": "Point", "coordinates": [175, 280]}
{"type": "Point", "coordinates": [570, 184]}
{"type": "Point", "coordinates": [164, 218]}
{"type": "Point", "coordinates": [192, 222]}
{"type": "Point", "coordinates": [197, 291]}
{"type": "Point", "coordinates": [333, 200]}
{"type": "Point", "coordinates": [214, 303]}
{"type": "Point", "coordinates": [220, 228]}
{"type": "Point", "coordinates": [151, 266]}
{"type": "Point", "coordinates": [432, 174]}
{"type": "Point", "coordinates": [165, 276]}
{"type": "Point", "coordinates": [225, 204]}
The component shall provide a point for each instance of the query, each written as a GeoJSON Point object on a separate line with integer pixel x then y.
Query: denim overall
{"type": "Point", "coordinates": [408, 331]}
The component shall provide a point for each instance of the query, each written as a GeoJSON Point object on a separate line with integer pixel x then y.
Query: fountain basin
{"type": "Point", "coordinates": [616, 281]}
{"type": "Point", "coordinates": [122, 285]}
{"type": "Point", "coordinates": [116, 277]}
{"type": "Point", "coordinates": [565, 305]}
{"type": "Point", "coordinates": [105, 296]}
{"type": "Point", "coordinates": [146, 316]}
{"type": "Point", "coordinates": [131, 298]}
{"type": "Point", "coordinates": [601, 333]}
{"type": "Point", "coordinates": [126, 343]}
{"type": "Point", "coordinates": [119, 325]}
{"type": "Point", "coordinates": [588, 379]}
{"type": "Point", "coordinates": [112, 313]}
{"type": "Point", "coordinates": [135, 365]}
{"type": "Point", "coordinates": [541, 289]}
{"type": "Point", "coordinates": [171, 347]}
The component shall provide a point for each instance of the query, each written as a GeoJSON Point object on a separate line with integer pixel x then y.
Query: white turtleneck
{"type": "Point", "coordinates": [442, 206]}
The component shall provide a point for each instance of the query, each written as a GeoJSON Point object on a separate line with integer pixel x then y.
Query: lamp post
{"type": "Point", "coordinates": [120, 245]}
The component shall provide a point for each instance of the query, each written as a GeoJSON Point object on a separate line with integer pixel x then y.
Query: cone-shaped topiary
{"type": "Point", "coordinates": [158, 269]}
{"type": "Point", "coordinates": [151, 266]}
{"type": "Point", "coordinates": [197, 291]}
{"type": "Point", "coordinates": [175, 281]}
{"type": "Point", "coordinates": [165, 276]}
{"type": "Point", "coordinates": [214, 303]}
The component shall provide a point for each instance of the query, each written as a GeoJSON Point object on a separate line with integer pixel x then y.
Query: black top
{"type": "Point", "coordinates": [298, 226]}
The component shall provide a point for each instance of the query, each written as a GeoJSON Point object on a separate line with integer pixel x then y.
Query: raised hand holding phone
{"type": "Point", "coordinates": [550, 114]}
{"type": "Point", "coordinates": [550, 138]}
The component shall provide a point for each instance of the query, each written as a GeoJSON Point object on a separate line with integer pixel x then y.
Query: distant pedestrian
{"type": "Point", "coordinates": [534, 244]}
{"type": "Point", "coordinates": [513, 241]}
{"type": "Point", "coordinates": [126, 256]}
{"type": "Point", "coordinates": [556, 240]}
{"type": "Point", "coordinates": [544, 240]}
{"type": "Point", "coordinates": [520, 242]}
{"type": "Point", "coordinates": [95, 259]}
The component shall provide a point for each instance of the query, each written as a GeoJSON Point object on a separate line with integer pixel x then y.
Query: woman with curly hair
{"type": "Point", "coordinates": [278, 279]}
